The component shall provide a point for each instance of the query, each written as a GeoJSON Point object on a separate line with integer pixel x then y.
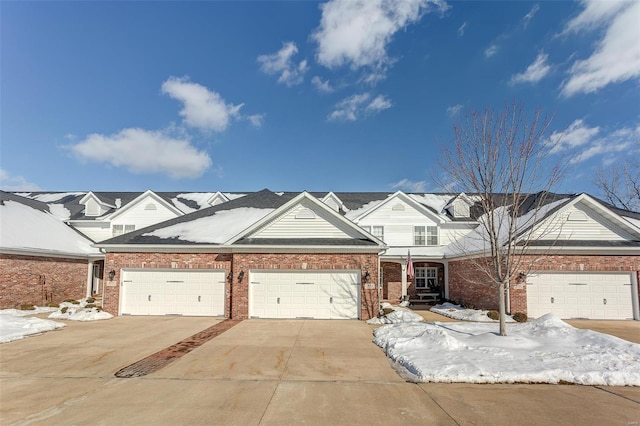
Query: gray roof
{"type": "Point", "coordinates": [583, 243]}
{"type": "Point", "coordinates": [34, 204]}
{"type": "Point", "coordinates": [306, 242]}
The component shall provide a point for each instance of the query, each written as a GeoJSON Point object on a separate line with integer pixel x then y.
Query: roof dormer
{"type": "Point", "coordinates": [459, 207]}
{"type": "Point", "coordinates": [333, 201]}
{"type": "Point", "coordinates": [94, 206]}
{"type": "Point", "coordinates": [217, 198]}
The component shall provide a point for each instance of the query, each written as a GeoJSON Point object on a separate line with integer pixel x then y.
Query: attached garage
{"type": "Point", "coordinates": [172, 292]}
{"type": "Point", "coordinates": [581, 295]}
{"type": "Point", "coordinates": [304, 294]}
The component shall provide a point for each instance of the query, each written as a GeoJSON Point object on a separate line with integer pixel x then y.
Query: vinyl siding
{"type": "Point", "coordinates": [138, 216]}
{"type": "Point", "coordinates": [97, 231]}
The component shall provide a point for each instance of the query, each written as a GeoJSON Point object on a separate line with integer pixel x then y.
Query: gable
{"type": "Point", "coordinates": [143, 212]}
{"type": "Point", "coordinates": [397, 211]}
{"type": "Point", "coordinates": [581, 221]}
{"type": "Point", "coordinates": [305, 220]}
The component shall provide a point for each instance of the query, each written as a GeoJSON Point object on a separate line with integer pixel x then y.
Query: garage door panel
{"type": "Point", "coordinates": [586, 295]}
{"type": "Point", "coordinates": [308, 294]}
{"type": "Point", "coordinates": [164, 292]}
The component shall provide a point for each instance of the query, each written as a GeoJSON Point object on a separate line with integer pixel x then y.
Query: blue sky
{"type": "Point", "coordinates": [342, 96]}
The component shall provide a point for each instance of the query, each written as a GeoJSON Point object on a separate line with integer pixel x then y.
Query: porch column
{"type": "Point", "coordinates": [404, 277]}
{"type": "Point", "coordinates": [89, 278]}
{"type": "Point", "coordinates": [446, 279]}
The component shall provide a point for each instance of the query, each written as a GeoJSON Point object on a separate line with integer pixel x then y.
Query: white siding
{"type": "Point", "coordinates": [450, 232]}
{"type": "Point", "coordinates": [398, 224]}
{"type": "Point", "coordinates": [97, 231]}
{"type": "Point", "coordinates": [321, 226]}
{"type": "Point", "coordinates": [593, 226]}
{"type": "Point", "coordinates": [140, 217]}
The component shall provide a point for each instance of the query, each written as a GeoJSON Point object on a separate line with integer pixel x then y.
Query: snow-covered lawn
{"type": "Point", "coordinates": [14, 324]}
{"type": "Point", "coordinates": [82, 311]}
{"type": "Point", "coordinates": [458, 312]}
{"type": "Point", "coordinates": [544, 350]}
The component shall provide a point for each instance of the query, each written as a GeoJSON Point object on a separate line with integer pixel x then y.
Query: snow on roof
{"type": "Point", "coordinates": [201, 198]}
{"type": "Point", "coordinates": [352, 214]}
{"type": "Point", "coordinates": [214, 229]}
{"type": "Point", "coordinates": [633, 221]}
{"type": "Point", "coordinates": [435, 201]}
{"type": "Point", "coordinates": [59, 211]}
{"type": "Point", "coordinates": [478, 240]}
{"type": "Point", "coordinates": [25, 228]}
{"type": "Point", "coordinates": [49, 197]}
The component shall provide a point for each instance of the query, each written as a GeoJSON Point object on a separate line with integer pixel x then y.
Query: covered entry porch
{"type": "Point", "coordinates": [428, 282]}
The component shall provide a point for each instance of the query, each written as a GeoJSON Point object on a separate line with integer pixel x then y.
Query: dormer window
{"type": "Point", "coordinates": [92, 208]}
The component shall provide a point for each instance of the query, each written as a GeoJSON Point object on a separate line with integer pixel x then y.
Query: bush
{"type": "Point", "coordinates": [90, 305]}
{"type": "Point", "coordinates": [64, 310]}
{"type": "Point", "coordinates": [75, 302]}
{"type": "Point", "coordinates": [494, 315]}
{"type": "Point", "coordinates": [387, 311]}
{"type": "Point", "coordinates": [52, 305]}
{"type": "Point", "coordinates": [520, 317]}
{"type": "Point", "coordinates": [90, 300]}
{"type": "Point", "coordinates": [69, 300]}
{"type": "Point", "coordinates": [27, 307]}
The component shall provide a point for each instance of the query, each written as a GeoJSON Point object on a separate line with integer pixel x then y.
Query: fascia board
{"type": "Point", "coordinates": [48, 253]}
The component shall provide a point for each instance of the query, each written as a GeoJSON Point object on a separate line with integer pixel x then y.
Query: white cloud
{"type": "Point", "coordinates": [461, 29]}
{"type": "Point", "coordinates": [8, 182]}
{"type": "Point", "coordinates": [256, 120]}
{"type": "Point", "coordinates": [321, 86]}
{"type": "Point", "coordinates": [577, 134]}
{"type": "Point", "coordinates": [353, 107]}
{"type": "Point", "coordinates": [357, 32]}
{"type": "Point", "coordinates": [616, 57]}
{"type": "Point", "coordinates": [581, 142]}
{"type": "Point", "coordinates": [409, 186]}
{"type": "Point", "coordinates": [454, 110]}
{"type": "Point", "coordinates": [202, 108]}
{"type": "Point", "coordinates": [282, 63]}
{"type": "Point", "coordinates": [534, 72]}
{"type": "Point", "coordinates": [529, 16]}
{"type": "Point", "coordinates": [491, 50]}
{"type": "Point", "coordinates": [379, 103]}
{"type": "Point", "coordinates": [143, 151]}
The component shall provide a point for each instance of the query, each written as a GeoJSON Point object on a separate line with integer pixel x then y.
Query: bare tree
{"type": "Point", "coordinates": [499, 159]}
{"type": "Point", "coordinates": [619, 184]}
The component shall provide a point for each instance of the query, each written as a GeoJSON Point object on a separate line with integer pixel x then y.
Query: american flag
{"type": "Point", "coordinates": [410, 271]}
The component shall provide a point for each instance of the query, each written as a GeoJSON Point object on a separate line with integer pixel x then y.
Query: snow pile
{"type": "Point", "coordinates": [399, 315]}
{"type": "Point", "coordinates": [14, 325]}
{"type": "Point", "coordinates": [26, 312]}
{"type": "Point", "coordinates": [545, 350]}
{"type": "Point", "coordinates": [458, 312]}
{"type": "Point", "coordinates": [80, 312]}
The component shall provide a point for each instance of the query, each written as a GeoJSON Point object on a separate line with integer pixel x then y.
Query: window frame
{"type": "Point", "coordinates": [125, 229]}
{"type": "Point", "coordinates": [430, 277]}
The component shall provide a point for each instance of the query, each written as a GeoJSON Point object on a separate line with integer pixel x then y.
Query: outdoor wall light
{"type": "Point", "coordinates": [112, 274]}
{"type": "Point", "coordinates": [522, 277]}
{"type": "Point", "coordinates": [367, 276]}
{"type": "Point", "coordinates": [240, 276]}
{"type": "Point", "coordinates": [230, 276]}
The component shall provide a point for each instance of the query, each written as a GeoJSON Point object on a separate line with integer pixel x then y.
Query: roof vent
{"type": "Point", "coordinates": [118, 203]}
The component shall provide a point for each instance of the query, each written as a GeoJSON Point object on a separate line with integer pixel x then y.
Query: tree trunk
{"type": "Point", "coordinates": [502, 309]}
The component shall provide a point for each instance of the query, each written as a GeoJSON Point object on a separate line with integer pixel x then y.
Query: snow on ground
{"type": "Point", "coordinates": [545, 350]}
{"type": "Point", "coordinates": [399, 315]}
{"type": "Point", "coordinates": [458, 312]}
{"type": "Point", "coordinates": [14, 325]}
{"type": "Point", "coordinates": [79, 312]}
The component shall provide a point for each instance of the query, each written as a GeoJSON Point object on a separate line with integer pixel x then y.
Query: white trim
{"type": "Point", "coordinates": [45, 253]}
{"type": "Point", "coordinates": [335, 198]}
{"type": "Point", "coordinates": [217, 195]}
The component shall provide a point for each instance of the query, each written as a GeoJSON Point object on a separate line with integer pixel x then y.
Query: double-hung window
{"type": "Point", "coordinates": [122, 229]}
{"type": "Point", "coordinates": [425, 235]}
{"type": "Point", "coordinates": [376, 231]}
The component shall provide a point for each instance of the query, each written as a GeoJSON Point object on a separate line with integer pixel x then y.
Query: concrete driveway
{"type": "Point", "coordinates": [263, 372]}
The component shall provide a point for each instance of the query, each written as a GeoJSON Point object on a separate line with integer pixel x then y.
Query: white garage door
{"type": "Point", "coordinates": [301, 294]}
{"type": "Point", "coordinates": [173, 292]}
{"type": "Point", "coordinates": [580, 295]}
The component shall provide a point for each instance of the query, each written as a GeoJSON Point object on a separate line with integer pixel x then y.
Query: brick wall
{"type": "Point", "coordinates": [391, 272]}
{"type": "Point", "coordinates": [465, 277]}
{"type": "Point", "coordinates": [39, 280]}
{"type": "Point", "coordinates": [237, 305]}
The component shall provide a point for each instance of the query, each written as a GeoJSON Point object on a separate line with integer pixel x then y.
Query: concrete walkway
{"type": "Point", "coordinates": [263, 372]}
